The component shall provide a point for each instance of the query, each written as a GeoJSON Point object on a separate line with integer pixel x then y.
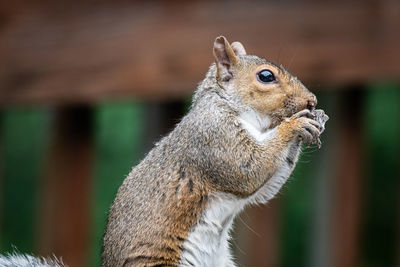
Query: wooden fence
{"type": "Point", "coordinates": [74, 61]}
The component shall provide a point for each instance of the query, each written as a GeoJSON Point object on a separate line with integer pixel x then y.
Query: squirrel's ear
{"type": "Point", "coordinates": [238, 48]}
{"type": "Point", "coordinates": [225, 58]}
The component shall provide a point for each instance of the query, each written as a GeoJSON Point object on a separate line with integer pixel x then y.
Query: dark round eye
{"type": "Point", "coordinates": [265, 76]}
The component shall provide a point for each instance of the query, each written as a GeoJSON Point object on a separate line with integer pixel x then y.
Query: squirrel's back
{"type": "Point", "coordinates": [162, 198]}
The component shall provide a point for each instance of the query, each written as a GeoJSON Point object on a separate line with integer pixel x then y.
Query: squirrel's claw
{"type": "Point", "coordinates": [304, 113]}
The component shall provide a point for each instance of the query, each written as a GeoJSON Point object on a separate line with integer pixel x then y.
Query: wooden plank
{"type": "Point", "coordinates": [65, 213]}
{"type": "Point", "coordinates": [324, 172]}
{"type": "Point", "coordinates": [348, 187]}
{"type": "Point", "coordinates": [1, 170]}
{"type": "Point", "coordinates": [85, 53]}
{"type": "Point", "coordinates": [257, 235]}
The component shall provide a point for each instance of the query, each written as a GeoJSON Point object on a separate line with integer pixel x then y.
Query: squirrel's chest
{"type": "Point", "coordinates": [207, 243]}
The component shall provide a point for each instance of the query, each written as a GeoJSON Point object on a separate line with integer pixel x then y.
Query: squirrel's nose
{"type": "Point", "coordinates": [311, 103]}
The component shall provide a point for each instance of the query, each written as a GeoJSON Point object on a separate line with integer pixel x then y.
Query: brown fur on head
{"type": "Point", "coordinates": [239, 73]}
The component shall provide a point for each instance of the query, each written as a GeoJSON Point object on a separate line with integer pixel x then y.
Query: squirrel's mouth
{"type": "Point", "coordinates": [292, 105]}
{"type": "Point", "coordinates": [310, 107]}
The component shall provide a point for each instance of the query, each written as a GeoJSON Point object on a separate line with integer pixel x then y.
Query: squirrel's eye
{"type": "Point", "coordinates": [265, 76]}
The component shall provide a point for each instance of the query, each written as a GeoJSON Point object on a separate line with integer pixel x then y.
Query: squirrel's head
{"type": "Point", "coordinates": [259, 84]}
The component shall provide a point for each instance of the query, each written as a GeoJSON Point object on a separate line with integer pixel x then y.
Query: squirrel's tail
{"type": "Point", "coordinates": [25, 260]}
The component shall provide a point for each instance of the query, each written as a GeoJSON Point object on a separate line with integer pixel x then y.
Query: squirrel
{"type": "Point", "coordinates": [237, 146]}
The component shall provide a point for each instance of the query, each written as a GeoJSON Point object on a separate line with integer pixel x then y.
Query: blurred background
{"type": "Point", "coordinates": [87, 87]}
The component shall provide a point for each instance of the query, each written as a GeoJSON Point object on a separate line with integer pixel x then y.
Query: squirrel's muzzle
{"type": "Point", "coordinates": [311, 102]}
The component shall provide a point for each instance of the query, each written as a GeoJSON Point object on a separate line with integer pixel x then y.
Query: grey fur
{"type": "Point", "coordinates": [24, 260]}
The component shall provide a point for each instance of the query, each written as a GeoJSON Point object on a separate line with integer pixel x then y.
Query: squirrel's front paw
{"type": "Point", "coordinates": [320, 117]}
{"type": "Point", "coordinates": [304, 126]}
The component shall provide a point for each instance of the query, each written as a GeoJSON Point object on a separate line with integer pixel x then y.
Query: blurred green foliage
{"type": "Point", "coordinates": [24, 133]}
{"type": "Point", "coordinates": [381, 223]}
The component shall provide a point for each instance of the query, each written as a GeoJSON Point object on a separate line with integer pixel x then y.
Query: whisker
{"type": "Point", "coordinates": [296, 50]}
{"type": "Point", "coordinates": [279, 55]}
{"type": "Point", "coordinates": [251, 229]}
{"type": "Point", "coordinates": [235, 244]}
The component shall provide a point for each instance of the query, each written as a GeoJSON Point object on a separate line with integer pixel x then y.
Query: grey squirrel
{"type": "Point", "coordinates": [237, 146]}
